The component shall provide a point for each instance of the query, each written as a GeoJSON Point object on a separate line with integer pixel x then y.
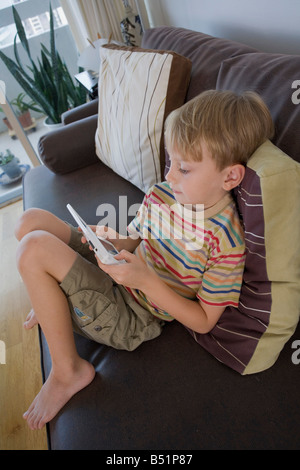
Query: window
{"type": "Point", "coordinates": [33, 25]}
{"type": "Point", "coordinates": [9, 3]}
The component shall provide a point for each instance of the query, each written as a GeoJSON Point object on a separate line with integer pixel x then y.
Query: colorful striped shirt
{"type": "Point", "coordinates": [199, 254]}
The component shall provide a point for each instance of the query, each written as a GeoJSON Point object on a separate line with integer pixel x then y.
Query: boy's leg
{"type": "Point", "coordinates": [39, 219]}
{"type": "Point", "coordinates": [43, 262]}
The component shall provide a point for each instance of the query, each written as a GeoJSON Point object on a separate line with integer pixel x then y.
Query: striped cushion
{"type": "Point", "coordinates": [138, 88]}
{"type": "Point", "coordinates": [250, 338]}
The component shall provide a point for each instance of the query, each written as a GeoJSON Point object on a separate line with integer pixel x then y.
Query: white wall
{"type": "Point", "coordinates": [269, 25]}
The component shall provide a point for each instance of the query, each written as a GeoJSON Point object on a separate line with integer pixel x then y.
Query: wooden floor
{"type": "Point", "coordinates": [20, 373]}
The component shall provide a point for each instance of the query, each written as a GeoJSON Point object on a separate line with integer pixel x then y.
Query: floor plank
{"type": "Point", "coordinates": [20, 375]}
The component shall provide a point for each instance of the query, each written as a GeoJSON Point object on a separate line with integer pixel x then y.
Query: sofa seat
{"type": "Point", "coordinates": [170, 394]}
{"type": "Point", "coordinates": [85, 189]}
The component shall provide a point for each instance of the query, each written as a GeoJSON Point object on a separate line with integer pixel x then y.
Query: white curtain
{"type": "Point", "coordinates": [89, 18]}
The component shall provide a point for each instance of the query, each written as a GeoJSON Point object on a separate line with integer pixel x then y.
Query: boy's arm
{"type": "Point", "coordinates": [194, 314]}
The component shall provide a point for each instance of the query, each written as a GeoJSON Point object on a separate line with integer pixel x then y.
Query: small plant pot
{"type": "Point", "coordinates": [12, 169]}
{"type": "Point", "coordinates": [25, 119]}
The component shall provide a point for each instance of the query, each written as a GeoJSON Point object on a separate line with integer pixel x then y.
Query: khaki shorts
{"type": "Point", "coordinates": [101, 309]}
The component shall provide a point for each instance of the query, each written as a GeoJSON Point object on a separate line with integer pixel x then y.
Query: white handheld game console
{"type": "Point", "coordinates": [104, 249]}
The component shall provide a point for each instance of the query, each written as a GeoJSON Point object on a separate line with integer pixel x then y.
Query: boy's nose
{"type": "Point", "coordinates": [170, 175]}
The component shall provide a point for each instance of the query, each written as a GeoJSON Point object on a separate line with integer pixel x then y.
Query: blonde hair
{"type": "Point", "coordinates": [232, 126]}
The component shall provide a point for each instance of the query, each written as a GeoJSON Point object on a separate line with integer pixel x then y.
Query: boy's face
{"type": "Point", "coordinates": [196, 182]}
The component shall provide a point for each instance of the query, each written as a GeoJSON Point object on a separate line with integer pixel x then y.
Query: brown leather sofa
{"type": "Point", "coordinates": [170, 393]}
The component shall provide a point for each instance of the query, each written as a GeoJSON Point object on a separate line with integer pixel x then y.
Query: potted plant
{"type": "Point", "coordinates": [47, 80]}
{"type": "Point", "coordinates": [10, 164]}
{"type": "Point", "coordinates": [23, 111]}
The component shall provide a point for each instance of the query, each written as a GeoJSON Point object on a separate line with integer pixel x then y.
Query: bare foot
{"type": "Point", "coordinates": [30, 321]}
{"type": "Point", "coordinates": [55, 393]}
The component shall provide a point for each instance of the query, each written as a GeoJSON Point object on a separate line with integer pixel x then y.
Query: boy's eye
{"type": "Point", "coordinates": [183, 171]}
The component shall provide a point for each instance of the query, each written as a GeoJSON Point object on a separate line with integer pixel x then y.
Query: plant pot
{"type": "Point", "coordinates": [50, 126]}
{"type": "Point", "coordinates": [12, 169]}
{"type": "Point", "coordinates": [25, 119]}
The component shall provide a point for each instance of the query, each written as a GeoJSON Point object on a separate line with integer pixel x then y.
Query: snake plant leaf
{"type": "Point", "coordinates": [52, 47]}
{"type": "Point", "coordinates": [21, 32]}
{"type": "Point", "coordinates": [46, 51]}
{"type": "Point", "coordinates": [18, 60]}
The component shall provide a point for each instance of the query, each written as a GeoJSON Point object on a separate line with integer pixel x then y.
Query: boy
{"type": "Point", "coordinates": [190, 278]}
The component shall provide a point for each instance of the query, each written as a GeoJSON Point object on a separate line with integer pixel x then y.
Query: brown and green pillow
{"type": "Point", "coordinates": [250, 338]}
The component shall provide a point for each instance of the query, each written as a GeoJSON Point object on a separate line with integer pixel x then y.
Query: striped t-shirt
{"type": "Point", "coordinates": [199, 254]}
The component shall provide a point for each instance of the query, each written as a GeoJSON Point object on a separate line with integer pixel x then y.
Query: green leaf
{"type": "Point", "coordinates": [17, 57]}
{"type": "Point", "coordinates": [45, 50]}
{"type": "Point", "coordinates": [53, 49]}
{"type": "Point", "coordinates": [21, 31]}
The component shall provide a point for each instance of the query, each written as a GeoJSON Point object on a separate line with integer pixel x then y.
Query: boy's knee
{"type": "Point", "coordinates": [30, 249]}
{"type": "Point", "coordinates": [27, 223]}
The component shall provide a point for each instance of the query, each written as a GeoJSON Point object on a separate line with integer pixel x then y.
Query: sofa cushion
{"type": "Point", "coordinates": [250, 338]}
{"type": "Point", "coordinates": [272, 76]}
{"type": "Point", "coordinates": [70, 147]}
{"type": "Point", "coordinates": [206, 53]}
{"type": "Point", "coordinates": [138, 88]}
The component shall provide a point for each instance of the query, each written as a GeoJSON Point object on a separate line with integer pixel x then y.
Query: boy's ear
{"type": "Point", "coordinates": [233, 176]}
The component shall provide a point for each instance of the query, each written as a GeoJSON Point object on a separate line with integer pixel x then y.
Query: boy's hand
{"type": "Point", "coordinates": [83, 239]}
{"type": "Point", "coordinates": [107, 233]}
{"type": "Point", "coordinates": [111, 235]}
{"type": "Point", "coordinates": [134, 273]}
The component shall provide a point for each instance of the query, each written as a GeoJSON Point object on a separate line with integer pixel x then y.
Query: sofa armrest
{"type": "Point", "coordinates": [80, 112]}
{"type": "Point", "coordinates": [71, 147]}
